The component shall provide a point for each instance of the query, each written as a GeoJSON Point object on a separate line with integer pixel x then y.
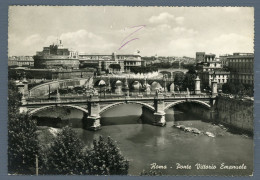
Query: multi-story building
{"type": "Point", "coordinates": [21, 61]}
{"type": "Point", "coordinates": [220, 76]}
{"type": "Point", "coordinates": [241, 66]}
{"type": "Point", "coordinates": [209, 68]}
{"type": "Point", "coordinates": [223, 59]}
{"type": "Point", "coordinates": [209, 63]}
{"type": "Point", "coordinates": [108, 62]}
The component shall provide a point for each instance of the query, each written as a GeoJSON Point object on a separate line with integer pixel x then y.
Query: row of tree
{"type": "Point", "coordinates": [238, 89]}
{"type": "Point", "coordinates": [66, 154]}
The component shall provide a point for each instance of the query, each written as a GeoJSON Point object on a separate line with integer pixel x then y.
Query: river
{"type": "Point", "coordinates": [144, 144]}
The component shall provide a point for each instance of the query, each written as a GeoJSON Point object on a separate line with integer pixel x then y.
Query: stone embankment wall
{"type": "Point", "coordinates": [236, 113]}
{"type": "Point", "coordinates": [195, 111]}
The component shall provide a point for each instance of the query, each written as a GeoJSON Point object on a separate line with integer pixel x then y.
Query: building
{"type": "Point", "coordinates": [56, 57]}
{"type": "Point", "coordinates": [220, 76]}
{"type": "Point", "coordinates": [200, 56]}
{"type": "Point", "coordinates": [209, 68]}
{"type": "Point", "coordinates": [52, 74]}
{"type": "Point", "coordinates": [223, 59]}
{"type": "Point", "coordinates": [148, 60]}
{"type": "Point", "coordinates": [112, 63]}
{"type": "Point", "coordinates": [209, 63]}
{"type": "Point", "coordinates": [241, 66]}
{"type": "Point", "coordinates": [21, 61]}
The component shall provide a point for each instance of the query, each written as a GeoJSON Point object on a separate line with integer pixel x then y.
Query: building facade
{"type": "Point", "coordinates": [209, 68]}
{"type": "Point", "coordinates": [56, 57]}
{"type": "Point", "coordinates": [21, 61]}
{"type": "Point", "coordinates": [223, 59]}
{"type": "Point", "coordinates": [112, 63]}
{"type": "Point", "coordinates": [241, 66]}
{"type": "Point", "coordinates": [221, 77]}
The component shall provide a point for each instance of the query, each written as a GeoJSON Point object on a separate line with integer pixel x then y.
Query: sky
{"type": "Point", "coordinates": [162, 31]}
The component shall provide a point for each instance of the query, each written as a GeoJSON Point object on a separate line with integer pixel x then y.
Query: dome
{"type": "Point", "coordinates": [155, 86]}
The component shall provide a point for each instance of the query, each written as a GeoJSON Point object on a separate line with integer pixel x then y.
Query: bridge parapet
{"type": "Point", "coordinates": [118, 98]}
{"type": "Point", "coordinates": [153, 106]}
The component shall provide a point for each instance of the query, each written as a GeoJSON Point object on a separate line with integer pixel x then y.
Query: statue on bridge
{"type": "Point", "coordinates": [95, 92]}
{"type": "Point", "coordinates": [188, 92]}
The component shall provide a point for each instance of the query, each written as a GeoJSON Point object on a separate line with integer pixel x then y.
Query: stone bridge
{"type": "Point", "coordinates": [171, 72]}
{"type": "Point", "coordinates": [153, 107]}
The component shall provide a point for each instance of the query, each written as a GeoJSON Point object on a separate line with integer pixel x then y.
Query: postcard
{"type": "Point", "coordinates": [136, 91]}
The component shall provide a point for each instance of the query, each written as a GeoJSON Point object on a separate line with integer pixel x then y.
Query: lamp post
{"type": "Point", "coordinates": [99, 89]}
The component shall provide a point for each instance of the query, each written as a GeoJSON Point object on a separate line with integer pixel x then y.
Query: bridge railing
{"type": "Point", "coordinates": [118, 97]}
{"type": "Point", "coordinates": [128, 77]}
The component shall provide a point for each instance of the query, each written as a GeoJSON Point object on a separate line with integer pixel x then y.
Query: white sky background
{"type": "Point", "coordinates": [168, 31]}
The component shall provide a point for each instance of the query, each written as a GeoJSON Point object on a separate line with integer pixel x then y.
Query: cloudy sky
{"type": "Point", "coordinates": [165, 31]}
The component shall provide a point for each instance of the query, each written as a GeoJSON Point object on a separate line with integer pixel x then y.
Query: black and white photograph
{"type": "Point", "coordinates": [131, 90]}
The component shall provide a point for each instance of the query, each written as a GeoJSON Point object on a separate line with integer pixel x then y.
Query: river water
{"type": "Point", "coordinates": [144, 144]}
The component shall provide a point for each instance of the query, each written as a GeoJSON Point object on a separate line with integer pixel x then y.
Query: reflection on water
{"type": "Point", "coordinates": [144, 144]}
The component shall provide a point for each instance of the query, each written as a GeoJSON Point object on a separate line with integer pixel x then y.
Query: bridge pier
{"type": "Point", "coordinates": [159, 114]}
{"type": "Point", "coordinates": [92, 121]}
{"type": "Point", "coordinates": [159, 119]}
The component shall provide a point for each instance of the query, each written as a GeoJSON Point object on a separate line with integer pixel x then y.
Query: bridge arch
{"type": "Point", "coordinates": [47, 107]}
{"type": "Point", "coordinates": [204, 104]}
{"type": "Point", "coordinates": [130, 102]}
{"type": "Point", "coordinates": [100, 82]}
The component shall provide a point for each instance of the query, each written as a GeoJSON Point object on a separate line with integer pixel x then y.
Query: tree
{"type": "Point", "coordinates": [14, 99]}
{"type": "Point", "coordinates": [22, 144]}
{"type": "Point", "coordinates": [249, 89]}
{"type": "Point", "coordinates": [179, 78]}
{"type": "Point", "coordinates": [65, 155]}
{"type": "Point", "coordinates": [232, 88]}
{"type": "Point", "coordinates": [189, 80]}
{"type": "Point", "coordinates": [106, 159]}
{"type": "Point", "coordinates": [240, 89]}
{"type": "Point", "coordinates": [22, 138]}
